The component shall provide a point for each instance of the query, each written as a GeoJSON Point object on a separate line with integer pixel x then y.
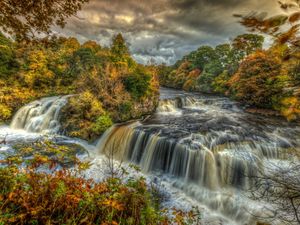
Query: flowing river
{"type": "Point", "coordinates": [204, 150]}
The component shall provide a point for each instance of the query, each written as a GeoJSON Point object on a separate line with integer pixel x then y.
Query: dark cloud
{"type": "Point", "coordinates": [163, 30]}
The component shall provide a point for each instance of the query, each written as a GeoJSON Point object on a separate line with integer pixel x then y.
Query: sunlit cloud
{"type": "Point", "coordinates": [163, 30]}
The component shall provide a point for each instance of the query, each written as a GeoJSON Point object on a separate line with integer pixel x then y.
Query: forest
{"type": "Point", "coordinates": [259, 78]}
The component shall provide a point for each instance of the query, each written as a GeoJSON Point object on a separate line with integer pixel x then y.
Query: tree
{"type": "Point", "coordinates": [119, 48]}
{"type": "Point", "coordinates": [284, 28]}
{"type": "Point", "coordinates": [25, 19]}
{"type": "Point", "coordinates": [201, 57]}
{"type": "Point", "coordinates": [8, 64]}
{"type": "Point", "coordinates": [246, 44]}
{"type": "Point", "coordinates": [138, 83]}
{"type": "Point", "coordinates": [210, 72]}
{"type": "Point", "coordinates": [280, 188]}
{"type": "Point", "coordinates": [37, 73]}
{"type": "Point", "coordinates": [224, 54]}
{"type": "Point", "coordinates": [256, 82]}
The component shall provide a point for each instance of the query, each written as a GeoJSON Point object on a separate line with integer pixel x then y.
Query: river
{"type": "Point", "coordinates": [202, 149]}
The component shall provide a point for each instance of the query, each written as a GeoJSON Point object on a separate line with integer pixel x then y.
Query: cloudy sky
{"type": "Point", "coordinates": [164, 30]}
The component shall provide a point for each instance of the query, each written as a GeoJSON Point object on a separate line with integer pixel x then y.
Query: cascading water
{"type": "Point", "coordinates": [204, 146]}
{"type": "Point", "coordinates": [210, 151]}
{"type": "Point", "coordinates": [40, 116]}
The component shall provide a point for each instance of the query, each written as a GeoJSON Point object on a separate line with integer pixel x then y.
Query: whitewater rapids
{"type": "Point", "coordinates": [201, 150]}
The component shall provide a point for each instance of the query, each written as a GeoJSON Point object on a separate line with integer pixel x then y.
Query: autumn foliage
{"type": "Point", "coordinates": [261, 79]}
{"type": "Point", "coordinates": [37, 191]}
{"type": "Point", "coordinates": [257, 80]}
{"type": "Point", "coordinates": [25, 19]}
{"type": "Point", "coordinates": [106, 85]}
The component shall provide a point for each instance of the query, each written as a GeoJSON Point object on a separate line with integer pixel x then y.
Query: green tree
{"type": "Point", "coordinates": [8, 64]}
{"type": "Point", "coordinates": [211, 70]}
{"type": "Point", "coordinates": [201, 57]}
{"type": "Point", "coordinates": [246, 44]}
{"type": "Point", "coordinates": [102, 124]}
{"type": "Point", "coordinates": [138, 82]}
{"type": "Point", "coordinates": [119, 49]}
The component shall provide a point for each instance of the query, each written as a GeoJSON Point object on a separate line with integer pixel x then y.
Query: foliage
{"type": "Point", "coordinates": [256, 81]}
{"type": "Point", "coordinates": [284, 27]}
{"type": "Point", "coordinates": [37, 73]}
{"type": "Point", "coordinates": [242, 70]}
{"type": "Point", "coordinates": [246, 44]}
{"type": "Point", "coordinates": [25, 19]}
{"type": "Point", "coordinates": [8, 64]}
{"type": "Point", "coordinates": [198, 70]}
{"type": "Point", "coordinates": [80, 115]}
{"type": "Point", "coordinates": [31, 195]}
{"type": "Point", "coordinates": [120, 51]}
{"type": "Point", "coordinates": [103, 80]}
{"type": "Point", "coordinates": [220, 83]}
{"type": "Point", "coordinates": [138, 82]}
{"type": "Point", "coordinates": [5, 112]}
{"type": "Point", "coordinates": [102, 124]}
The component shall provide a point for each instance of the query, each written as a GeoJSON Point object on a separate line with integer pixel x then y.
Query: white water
{"type": "Point", "coordinates": [40, 116]}
{"type": "Point", "coordinates": [207, 147]}
{"type": "Point", "coordinates": [198, 148]}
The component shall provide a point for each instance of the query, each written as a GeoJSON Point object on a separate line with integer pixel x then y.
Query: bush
{"type": "Point", "coordinates": [80, 116]}
{"type": "Point", "coordinates": [102, 124]}
{"type": "Point", "coordinates": [32, 196]}
{"type": "Point", "coordinates": [125, 111]}
{"type": "Point", "coordinates": [5, 112]}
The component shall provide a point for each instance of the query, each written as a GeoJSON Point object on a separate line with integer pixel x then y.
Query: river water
{"type": "Point", "coordinates": [202, 150]}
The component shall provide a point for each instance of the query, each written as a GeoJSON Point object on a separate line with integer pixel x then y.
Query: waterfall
{"type": "Point", "coordinates": [207, 147]}
{"type": "Point", "coordinates": [169, 106]}
{"type": "Point", "coordinates": [40, 116]}
{"type": "Point", "coordinates": [158, 154]}
{"type": "Point", "coordinates": [174, 105]}
{"type": "Point", "coordinates": [200, 173]}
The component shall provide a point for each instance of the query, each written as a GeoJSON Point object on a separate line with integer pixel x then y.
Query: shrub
{"type": "Point", "coordinates": [32, 196]}
{"type": "Point", "coordinates": [125, 111]}
{"type": "Point", "coordinates": [102, 124]}
{"type": "Point", "coordinates": [5, 112]}
{"type": "Point", "coordinates": [81, 114]}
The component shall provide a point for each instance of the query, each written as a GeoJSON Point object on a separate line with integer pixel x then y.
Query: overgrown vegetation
{"type": "Point", "coordinates": [106, 84]}
{"type": "Point", "coordinates": [34, 191]}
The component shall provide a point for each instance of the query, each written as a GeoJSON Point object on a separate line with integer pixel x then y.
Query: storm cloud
{"type": "Point", "coordinates": [162, 30]}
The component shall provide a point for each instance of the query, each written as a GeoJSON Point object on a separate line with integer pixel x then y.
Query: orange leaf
{"type": "Point", "coordinates": [294, 17]}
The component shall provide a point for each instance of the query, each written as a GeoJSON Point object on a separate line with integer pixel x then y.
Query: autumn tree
{"type": "Point", "coordinates": [256, 82]}
{"type": "Point", "coordinates": [25, 19]}
{"type": "Point", "coordinates": [284, 28]}
{"type": "Point", "coordinates": [36, 72]}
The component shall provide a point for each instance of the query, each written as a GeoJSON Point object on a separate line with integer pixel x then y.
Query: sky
{"type": "Point", "coordinates": [163, 30]}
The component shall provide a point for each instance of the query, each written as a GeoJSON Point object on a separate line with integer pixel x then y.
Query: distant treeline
{"type": "Point", "coordinates": [268, 79]}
